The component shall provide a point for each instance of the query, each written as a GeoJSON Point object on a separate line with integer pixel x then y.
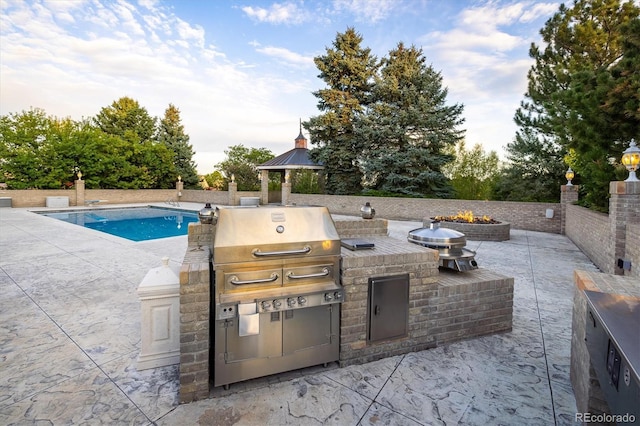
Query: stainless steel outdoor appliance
{"type": "Point", "coordinates": [276, 291]}
{"type": "Point", "coordinates": [450, 243]}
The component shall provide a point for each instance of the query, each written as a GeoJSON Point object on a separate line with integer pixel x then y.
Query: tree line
{"type": "Point", "coordinates": [384, 126]}
{"type": "Point", "coordinates": [122, 147]}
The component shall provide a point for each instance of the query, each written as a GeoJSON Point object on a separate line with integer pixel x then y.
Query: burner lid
{"type": "Point", "coordinates": [435, 236]}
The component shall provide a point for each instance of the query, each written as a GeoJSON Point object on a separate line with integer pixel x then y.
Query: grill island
{"type": "Point", "coordinates": [282, 294]}
{"type": "Point", "coordinates": [276, 291]}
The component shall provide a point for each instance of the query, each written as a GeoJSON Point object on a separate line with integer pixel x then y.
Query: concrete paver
{"type": "Point", "coordinates": [70, 337]}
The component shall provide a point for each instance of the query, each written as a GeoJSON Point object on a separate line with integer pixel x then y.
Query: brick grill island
{"type": "Point", "coordinates": [442, 306]}
{"type": "Point", "coordinates": [477, 231]}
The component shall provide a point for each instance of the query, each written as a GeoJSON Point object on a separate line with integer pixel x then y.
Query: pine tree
{"type": "Point", "coordinates": [409, 128]}
{"type": "Point", "coordinates": [347, 69]}
{"type": "Point", "coordinates": [171, 134]}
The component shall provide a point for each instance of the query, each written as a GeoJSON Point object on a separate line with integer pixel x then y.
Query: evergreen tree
{"type": "Point", "coordinates": [409, 127]}
{"type": "Point", "coordinates": [568, 90]}
{"type": "Point", "coordinates": [171, 134]}
{"type": "Point", "coordinates": [347, 69]}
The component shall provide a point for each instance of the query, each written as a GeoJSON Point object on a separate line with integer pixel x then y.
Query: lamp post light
{"type": "Point", "coordinates": [631, 160]}
{"type": "Point", "coordinates": [569, 175]}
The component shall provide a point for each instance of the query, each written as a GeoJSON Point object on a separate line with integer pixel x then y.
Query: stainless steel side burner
{"type": "Point", "coordinates": [450, 243]}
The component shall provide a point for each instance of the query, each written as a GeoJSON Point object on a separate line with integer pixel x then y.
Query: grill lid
{"type": "Point", "coordinates": [437, 237]}
{"type": "Point", "coordinates": [273, 232]}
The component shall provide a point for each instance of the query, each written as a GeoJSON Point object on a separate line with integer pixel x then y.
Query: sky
{"type": "Point", "coordinates": [242, 72]}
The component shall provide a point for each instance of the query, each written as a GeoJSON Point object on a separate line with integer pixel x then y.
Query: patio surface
{"type": "Point", "coordinates": [70, 338]}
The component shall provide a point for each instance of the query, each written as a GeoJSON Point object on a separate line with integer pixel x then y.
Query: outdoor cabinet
{"type": "Point", "coordinates": [388, 307]}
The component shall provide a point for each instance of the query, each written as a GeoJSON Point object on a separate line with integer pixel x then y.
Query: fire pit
{"type": "Point", "coordinates": [477, 228]}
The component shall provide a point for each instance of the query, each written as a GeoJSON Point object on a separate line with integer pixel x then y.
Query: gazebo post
{"type": "Point", "coordinates": [264, 186]}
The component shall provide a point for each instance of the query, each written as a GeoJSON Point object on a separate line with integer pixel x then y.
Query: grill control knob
{"type": "Point", "coordinates": [302, 300]}
{"type": "Point", "coordinates": [291, 302]}
{"type": "Point", "coordinates": [328, 297]}
{"type": "Point", "coordinates": [266, 305]}
{"type": "Point", "coordinates": [277, 304]}
{"type": "Point", "coordinates": [337, 295]}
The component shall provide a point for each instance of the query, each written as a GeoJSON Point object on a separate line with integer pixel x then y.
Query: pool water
{"type": "Point", "coordinates": [136, 224]}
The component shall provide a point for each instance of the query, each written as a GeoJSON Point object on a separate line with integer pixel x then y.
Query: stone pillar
{"type": "Point", "coordinates": [286, 188]}
{"type": "Point", "coordinates": [79, 184]}
{"type": "Point", "coordinates": [568, 195]}
{"type": "Point", "coordinates": [179, 188]}
{"type": "Point", "coordinates": [264, 187]}
{"type": "Point", "coordinates": [233, 192]}
{"type": "Point", "coordinates": [624, 207]}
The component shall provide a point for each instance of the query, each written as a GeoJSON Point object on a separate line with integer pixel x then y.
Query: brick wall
{"type": "Point", "coordinates": [633, 249]}
{"type": "Point", "coordinates": [37, 197]}
{"type": "Point", "coordinates": [528, 216]}
{"type": "Point", "coordinates": [590, 231]}
{"type": "Point", "coordinates": [472, 304]}
{"type": "Point", "coordinates": [195, 294]}
{"type": "Point", "coordinates": [394, 258]}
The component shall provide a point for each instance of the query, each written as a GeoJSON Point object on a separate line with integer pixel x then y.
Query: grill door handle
{"type": "Point", "coordinates": [324, 273]}
{"type": "Point", "coordinates": [303, 250]}
{"type": "Point", "coordinates": [235, 281]}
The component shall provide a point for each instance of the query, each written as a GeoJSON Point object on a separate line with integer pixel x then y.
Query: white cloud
{"type": "Point", "coordinates": [285, 55]}
{"type": "Point", "coordinates": [278, 13]}
{"type": "Point", "coordinates": [369, 11]}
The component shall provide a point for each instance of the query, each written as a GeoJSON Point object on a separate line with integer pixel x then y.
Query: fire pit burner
{"type": "Point", "coordinates": [450, 244]}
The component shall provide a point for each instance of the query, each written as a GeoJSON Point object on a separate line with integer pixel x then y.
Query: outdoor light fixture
{"type": "Point", "coordinates": [631, 159]}
{"type": "Point", "coordinates": [569, 175]}
{"type": "Point", "coordinates": [233, 178]}
{"type": "Point", "coordinates": [179, 178]}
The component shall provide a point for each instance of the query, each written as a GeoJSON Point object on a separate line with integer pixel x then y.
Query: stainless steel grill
{"type": "Point", "coordinates": [276, 291]}
{"type": "Point", "coordinates": [449, 243]}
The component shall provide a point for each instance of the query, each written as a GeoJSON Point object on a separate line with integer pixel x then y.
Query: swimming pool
{"type": "Point", "coordinates": [136, 223]}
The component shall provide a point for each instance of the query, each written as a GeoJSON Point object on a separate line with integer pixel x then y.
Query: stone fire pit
{"type": "Point", "coordinates": [474, 228]}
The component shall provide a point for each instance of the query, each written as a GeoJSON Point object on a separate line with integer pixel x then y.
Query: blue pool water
{"type": "Point", "coordinates": [137, 224]}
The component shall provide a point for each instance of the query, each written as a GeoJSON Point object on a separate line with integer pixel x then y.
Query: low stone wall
{"type": "Point", "coordinates": [521, 215]}
{"type": "Point", "coordinates": [472, 304]}
{"type": "Point", "coordinates": [357, 227]}
{"type": "Point", "coordinates": [591, 232]}
{"type": "Point", "coordinates": [477, 231]}
{"type": "Point", "coordinates": [633, 249]}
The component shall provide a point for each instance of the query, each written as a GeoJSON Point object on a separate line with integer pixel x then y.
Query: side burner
{"type": "Point", "coordinates": [449, 243]}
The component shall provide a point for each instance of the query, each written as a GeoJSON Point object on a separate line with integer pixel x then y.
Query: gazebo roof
{"type": "Point", "coordinates": [297, 158]}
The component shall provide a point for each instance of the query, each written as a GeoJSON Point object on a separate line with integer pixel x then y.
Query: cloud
{"type": "Point", "coordinates": [368, 11]}
{"type": "Point", "coordinates": [114, 50]}
{"type": "Point", "coordinates": [285, 55]}
{"type": "Point", "coordinates": [278, 13]}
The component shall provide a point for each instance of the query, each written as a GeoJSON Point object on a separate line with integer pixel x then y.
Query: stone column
{"type": "Point", "coordinates": [568, 195]}
{"type": "Point", "coordinates": [624, 207]}
{"type": "Point", "coordinates": [179, 188]}
{"type": "Point", "coordinates": [233, 191]}
{"type": "Point", "coordinates": [264, 187]}
{"type": "Point", "coordinates": [286, 188]}
{"type": "Point", "coordinates": [79, 184]}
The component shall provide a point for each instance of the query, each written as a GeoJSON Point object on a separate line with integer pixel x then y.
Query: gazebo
{"type": "Point", "coordinates": [297, 158]}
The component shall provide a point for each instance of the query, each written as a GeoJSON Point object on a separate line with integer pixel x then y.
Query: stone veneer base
{"type": "Point", "coordinates": [477, 231]}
